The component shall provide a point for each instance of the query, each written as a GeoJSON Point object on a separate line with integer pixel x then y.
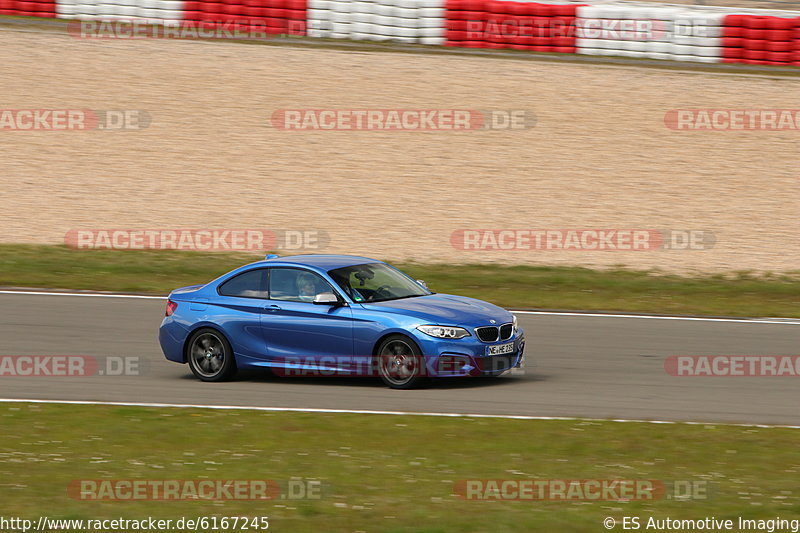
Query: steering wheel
{"type": "Point", "coordinates": [382, 289]}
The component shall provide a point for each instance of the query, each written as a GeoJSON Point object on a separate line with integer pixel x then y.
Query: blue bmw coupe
{"type": "Point", "coordinates": [335, 315]}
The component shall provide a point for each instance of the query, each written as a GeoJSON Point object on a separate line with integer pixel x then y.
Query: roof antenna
{"type": "Point", "coordinates": [271, 256]}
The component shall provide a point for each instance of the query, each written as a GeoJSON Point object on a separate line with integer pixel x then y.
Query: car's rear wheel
{"type": "Point", "coordinates": [400, 363]}
{"type": "Point", "coordinates": [210, 356]}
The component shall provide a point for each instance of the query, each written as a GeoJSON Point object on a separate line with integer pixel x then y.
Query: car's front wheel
{"type": "Point", "coordinates": [210, 355]}
{"type": "Point", "coordinates": [400, 363]}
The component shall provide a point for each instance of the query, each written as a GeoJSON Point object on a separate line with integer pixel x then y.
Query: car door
{"type": "Point", "coordinates": [238, 309]}
{"type": "Point", "coordinates": [294, 327]}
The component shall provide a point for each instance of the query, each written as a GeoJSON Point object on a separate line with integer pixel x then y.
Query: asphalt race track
{"type": "Point", "coordinates": [583, 366]}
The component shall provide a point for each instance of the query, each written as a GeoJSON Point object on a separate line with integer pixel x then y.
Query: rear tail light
{"type": "Point", "coordinates": [171, 307]}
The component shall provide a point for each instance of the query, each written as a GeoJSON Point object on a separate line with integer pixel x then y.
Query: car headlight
{"type": "Point", "coordinates": [516, 326]}
{"type": "Point", "coordinates": [444, 332]}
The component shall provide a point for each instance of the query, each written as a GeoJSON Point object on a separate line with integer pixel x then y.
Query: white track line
{"type": "Point", "coordinates": [372, 412]}
{"type": "Point", "coordinates": [787, 321]}
{"type": "Point", "coordinates": [774, 321]}
{"type": "Point", "coordinates": [86, 294]}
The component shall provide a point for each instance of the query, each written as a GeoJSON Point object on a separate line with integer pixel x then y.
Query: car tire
{"type": "Point", "coordinates": [210, 355]}
{"type": "Point", "coordinates": [400, 362]}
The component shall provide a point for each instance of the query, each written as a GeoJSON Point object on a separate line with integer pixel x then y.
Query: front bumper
{"type": "Point", "coordinates": [468, 356]}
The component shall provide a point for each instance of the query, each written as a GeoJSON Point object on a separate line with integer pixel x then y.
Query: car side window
{"type": "Point", "coordinates": [296, 285]}
{"type": "Point", "coordinates": [250, 284]}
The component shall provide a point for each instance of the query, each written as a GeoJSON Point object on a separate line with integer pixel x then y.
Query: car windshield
{"type": "Point", "coordinates": [376, 282]}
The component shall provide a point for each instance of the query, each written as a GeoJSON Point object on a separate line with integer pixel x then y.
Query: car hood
{"type": "Point", "coordinates": [445, 310]}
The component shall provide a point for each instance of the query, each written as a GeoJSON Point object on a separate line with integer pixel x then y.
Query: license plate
{"type": "Point", "coordinates": [501, 349]}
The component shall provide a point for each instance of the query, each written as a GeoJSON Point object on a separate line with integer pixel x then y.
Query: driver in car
{"type": "Point", "coordinates": [344, 282]}
{"type": "Point", "coordinates": [306, 288]}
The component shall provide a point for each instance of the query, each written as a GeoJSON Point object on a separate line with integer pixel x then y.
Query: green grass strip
{"type": "Point", "coordinates": [388, 473]}
{"type": "Point", "coordinates": [541, 287]}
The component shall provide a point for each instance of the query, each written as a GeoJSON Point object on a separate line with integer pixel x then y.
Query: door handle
{"type": "Point", "coordinates": [273, 307]}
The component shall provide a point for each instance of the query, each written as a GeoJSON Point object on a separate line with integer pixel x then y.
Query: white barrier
{"type": "Point", "coordinates": [407, 21]}
{"type": "Point", "coordinates": [650, 31]}
{"type": "Point", "coordinates": [152, 11]}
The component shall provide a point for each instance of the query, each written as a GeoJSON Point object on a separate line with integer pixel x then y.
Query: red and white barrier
{"type": "Point", "coordinates": [761, 40]}
{"type": "Point", "coordinates": [626, 29]}
{"type": "Point", "coordinates": [28, 8]}
{"type": "Point", "coordinates": [510, 24]}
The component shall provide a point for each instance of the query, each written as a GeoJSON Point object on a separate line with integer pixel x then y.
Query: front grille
{"type": "Point", "coordinates": [487, 333]}
{"type": "Point", "coordinates": [494, 333]}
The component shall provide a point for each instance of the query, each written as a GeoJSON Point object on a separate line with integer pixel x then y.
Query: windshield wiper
{"type": "Point", "coordinates": [402, 297]}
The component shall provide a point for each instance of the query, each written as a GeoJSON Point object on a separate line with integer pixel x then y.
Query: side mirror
{"type": "Point", "coordinates": [326, 298]}
{"type": "Point", "coordinates": [422, 282]}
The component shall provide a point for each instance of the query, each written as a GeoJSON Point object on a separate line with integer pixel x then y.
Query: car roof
{"type": "Point", "coordinates": [325, 262]}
